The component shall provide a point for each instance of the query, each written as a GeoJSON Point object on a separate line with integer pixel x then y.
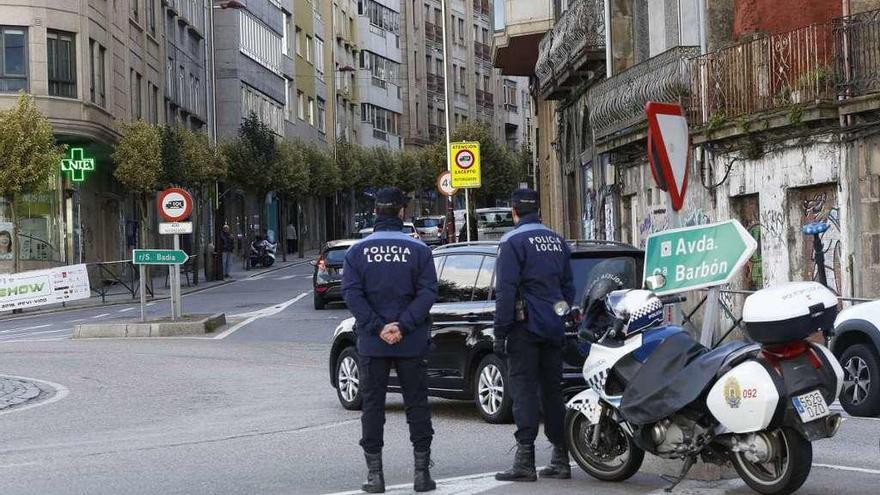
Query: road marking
{"type": "Point", "coordinates": [60, 392]}
{"type": "Point", "coordinates": [286, 277]}
{"type": "Point", "coordinates": [78, 320]}
{"type": "Point", "coordinates": [126, 310]}
{"type": "Point", "coordinates": [15, 335]}
{"type": "Point", "coordinates": [152, 303]}
{"type": "Point", "coordinates": [271, 310]}
{"type": "Point", "coordinates": [52, 339]}
{"type": "Point", "coordinates": [22, 329]}
{"type": "Point", "coordinates": [461, 485]}
{"type": "Point", "coordinates": [100, 316]}
{"type": "Point", "coordinates": [848, 468]}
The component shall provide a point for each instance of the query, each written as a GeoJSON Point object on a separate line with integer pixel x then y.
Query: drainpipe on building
{"type": "Point", "coordinates": [608, 52]}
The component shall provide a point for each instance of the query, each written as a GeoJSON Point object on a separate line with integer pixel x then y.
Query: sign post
{"type": "Point", "coordinates": [464, 167]}
{"type": "Point", "coordinates": [175, 206]}
{"type": "Point", "coordinates": [705, 256]}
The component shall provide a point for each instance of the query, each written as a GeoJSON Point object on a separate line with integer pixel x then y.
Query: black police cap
{"type": "Point", "coordinates": [525, 200]}
{"type": "Point", "coordinates": [391, 197]}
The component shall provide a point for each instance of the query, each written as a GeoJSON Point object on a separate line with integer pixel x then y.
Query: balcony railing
{"type": "Point", "coordinates": [485, 99]}
{"type": "Point", "coordinates": [767, 73]}
{"type": "Point", "coordinates": [433, 32]}
{"type": "Point", "coordinates": [482, 51]}
{"type": "Point", "coordinates": [436, 132]}
{"type": "Point", "coordinates": [618, 103]}
{"type": "Point", "coordinates": [857, 53]}
{"type": "Point", "coordinates": [435, 83]}
{"type": "Point", "coordinates": [481, 7]}
{"type": "Point", "coordinates": [579, 32]}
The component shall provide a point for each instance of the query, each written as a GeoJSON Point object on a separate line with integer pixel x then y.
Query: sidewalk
{"type": "Point", "coordinates": [160, 291]}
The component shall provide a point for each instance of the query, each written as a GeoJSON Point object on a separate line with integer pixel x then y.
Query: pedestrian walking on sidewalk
{"type": "Point", "coordinates": [227, 245]}
{"type": "Point", "coordinates": [291, 238]}
{"type": "Point", "coordinates": [534, 273]}
{"type": "Point", "coordinates": [389, 283]}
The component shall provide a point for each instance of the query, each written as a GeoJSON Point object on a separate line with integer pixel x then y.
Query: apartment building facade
{"type": "Point", "coordinates": [89, 65]}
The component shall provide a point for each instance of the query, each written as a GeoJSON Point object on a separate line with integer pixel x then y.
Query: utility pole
{"type": "Point", "coordinates": [450, 208]}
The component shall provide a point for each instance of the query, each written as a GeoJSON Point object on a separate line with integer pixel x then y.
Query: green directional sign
{"type": "Point", "coordinates": [698, 257]}
{"type": "Point", "coordinates": [159, 257]}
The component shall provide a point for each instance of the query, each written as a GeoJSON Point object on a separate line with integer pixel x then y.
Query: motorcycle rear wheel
{"type": "Point", "coordinates": [617, 457]}
{"type": "Point", "coordinates": [786, 472]}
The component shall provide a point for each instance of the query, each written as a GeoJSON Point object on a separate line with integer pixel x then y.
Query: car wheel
{"type": "Point", "coordinates": [490, 391]}
{"type": "Point", "coordinates": [319, 301]}
{"type": "Point", "coordinates": [348, 385]}
{"type": "Point", "coordinates": [860, 395]}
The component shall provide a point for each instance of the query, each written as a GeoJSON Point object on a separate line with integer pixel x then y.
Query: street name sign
{"type": "Point", "coordinates": [41, 287]}
{"type": "Point", "coordinates": [175, 204]}
{"type": "Point", "coordinates": [464, 165]}
{"type": "Point", "coordinates": [169, 228]}
{"type": "Point", "coordinates": [668, 149]}
{"type": "Point", "coordinates": [159, 257]}
{"type": "Point", "coordinates": [698, 257]}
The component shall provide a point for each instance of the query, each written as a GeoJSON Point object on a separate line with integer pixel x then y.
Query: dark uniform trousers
{"type": "Point", "coordinates": [413, 378]}
{"type": "Point", "coordinates": [535, 368]}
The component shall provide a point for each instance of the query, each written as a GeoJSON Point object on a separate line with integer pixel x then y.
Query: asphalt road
{"type": "Point", "coordinates": [253, 412]}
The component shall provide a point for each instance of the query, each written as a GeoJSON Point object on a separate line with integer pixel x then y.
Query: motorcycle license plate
{"type": "Point", "coordinates": [810, 406]}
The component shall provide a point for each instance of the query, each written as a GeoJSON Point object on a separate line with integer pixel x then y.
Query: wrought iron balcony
{"type": "Point", "coordinates": [576, 41]}
{"type": "Point", "coordinates": [618, 103]}
{"type": "Point", "coordinates": [435, 83]}
{"type": "Point", "coordinates": [767, 73]}
{"type": "Point", "coordinates": [482, 51]}
{"type": "Point", "coordinates": [857, 54]}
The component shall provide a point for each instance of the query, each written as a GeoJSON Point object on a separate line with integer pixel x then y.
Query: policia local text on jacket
{"type": "Point", "coordinates": [390, 278]}
{"type": "Point", "coordinates": [533, 274]}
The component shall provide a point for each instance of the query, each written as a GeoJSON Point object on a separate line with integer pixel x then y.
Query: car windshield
{"type": "Point", "coordinates": [586, 271]}
{"type": "Point", "coordinates": [408, 229]}
{"type": "Point", "coordinates": [424, 223]}
{"type": "Point", "coordinates": [495, 219]}
{"type": "Point", "coordinates": [335, 255]}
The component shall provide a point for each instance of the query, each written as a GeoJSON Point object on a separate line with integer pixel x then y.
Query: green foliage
{"type": "Point", "coordinates": [27, 144]}
{"type": "Point", "coordinates": [324, 176]}
{"type": "Point", "coordinates": [502, 170]}
{"type": "Point", "coordinates": [292, 173]}
{"type": "Point", "coordinates": [716, 120]}
{"type": "Point", "coordinates": [199, 164]}
{"type": "Point", "coordinates": [796, 114]}
{"type": "Point", "coordinates": [252, 157]}
{"type": "Point", "coordinates": [138, 157]}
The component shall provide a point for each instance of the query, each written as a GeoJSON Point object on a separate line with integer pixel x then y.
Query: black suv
{"type": "Point", "coordinates": [461, 364]}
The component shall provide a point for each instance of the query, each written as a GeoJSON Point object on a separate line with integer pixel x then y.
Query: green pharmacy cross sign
{"type": "Point", "coordinates": [77, 165]}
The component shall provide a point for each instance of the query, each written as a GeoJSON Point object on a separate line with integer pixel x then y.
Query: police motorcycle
{"type": "Point", "coordinates": [262, 253]}
{"type": "Point", "coordinates": [652, 388]}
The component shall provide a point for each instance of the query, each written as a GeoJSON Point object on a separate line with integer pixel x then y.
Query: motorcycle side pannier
{"type": "Point", "coordinates": [789, 312]}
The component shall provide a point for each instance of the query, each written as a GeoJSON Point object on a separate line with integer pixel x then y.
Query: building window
{"type": "Point", "coordinates": [510, 95]}
{"type": "Point", "coordinates": [321, 116]}
{"type": "Point", "coordinates": [181, 86]}
{"type": "Point", "coordinates": [285, 35]}
{"type": "Point", "coordinates": [462, 80]}
{"type": "Point", "coordinates": [169, 78]}
{"type": "Point", "coordinates": [134, 89]}
{"type": "Point", "coordinates": [151, 16]}
{"type": "Point", "coordinates": [427, 64]}
{"type": "Point", "coordinates": [287, 98]}
{"type": "Point", "coordinates": [383, 121]}
{"type": "Point", "coordinates": [319, 57]}
{"type": "Point", "coordinates": [299, 41]}
{"type": "Point", "coordinates": [382, 17]}
{"type": "Point", "coordinates": [61, 60]}
{"type": "Point", "coordinates": [136, 10]}
{"type": "Point", "coordinates": [98, 55]}
{"type": "Point", "coordinates": [382, 70]}
{"type": "Point", "coordinates": [13, 59]}
{"type": "Point", "coordinates": [461, 30]}
{"type": "Point", "coordinates": [301, 105]}
{"type": "Point", "coordinates": [260, 43]}
{"type": "Point", "coordinates": [309, 49]}
{"type": "Point", "coordinates": [455, 77]}
{"type": "Point", "coordinates": [311, 111]}
{"type": "Point", "coordinates": [154, 103]}
{"type": "Point", "coordinates": [254, 102]}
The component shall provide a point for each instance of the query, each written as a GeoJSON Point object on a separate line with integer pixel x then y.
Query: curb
{"type": "Point", "coordinates": [183, 292]}
{"type": "Point", "coordinates": [202, 325]}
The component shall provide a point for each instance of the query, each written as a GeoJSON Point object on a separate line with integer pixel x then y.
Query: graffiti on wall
{"type": "Point", "coordinates": [816, 204]}
{"type": "Point", "coordinates": [747, 210]}
{"type": "Point", "coordinates": [658, 221]}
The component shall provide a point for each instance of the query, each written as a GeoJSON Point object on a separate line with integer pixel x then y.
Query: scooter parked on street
{"type": "Point", "coordinates": [262, 253]}
{"type": "Point", "coordinates": [652, 388]}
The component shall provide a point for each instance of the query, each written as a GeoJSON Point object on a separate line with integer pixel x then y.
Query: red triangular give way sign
{"type": "Point", "coordinates": [668, 149]}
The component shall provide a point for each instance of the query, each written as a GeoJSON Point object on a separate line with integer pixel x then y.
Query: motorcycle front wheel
{"type": "Point", "coordinates": [785, 471]}
{"type": "Point", "coordinates": [615, 458]}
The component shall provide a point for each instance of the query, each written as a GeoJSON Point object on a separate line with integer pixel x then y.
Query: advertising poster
{"type": "Point", "coordinates": [41, 287]}
{"type": "Point", "coordinates": [7, 242]}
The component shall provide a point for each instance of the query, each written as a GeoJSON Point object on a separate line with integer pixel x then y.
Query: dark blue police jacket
{"type": "Point", "coordinates": [533, 263]}
{"type": "Point", "coordinates": [390, 277]}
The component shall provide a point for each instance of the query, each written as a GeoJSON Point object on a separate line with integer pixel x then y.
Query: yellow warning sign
{"type": "Point", "coordinates": [464, 163]}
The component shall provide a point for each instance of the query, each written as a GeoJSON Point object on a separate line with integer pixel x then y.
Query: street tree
{"type": "Point", "coordinates": [30, 154]}
{"type": "Point", "coordinates": [502, 170]}
{"type": "Point", "coordinates": [252, 159]}
{"type": "Point", "coordinates": [138, 158]}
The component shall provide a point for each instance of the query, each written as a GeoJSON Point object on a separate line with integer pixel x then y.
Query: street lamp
{"type": "Point", "coordinates": [341, 70]}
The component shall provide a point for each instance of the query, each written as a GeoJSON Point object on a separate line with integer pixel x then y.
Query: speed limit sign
{"type": "Point", "coordinates": [444, 184]}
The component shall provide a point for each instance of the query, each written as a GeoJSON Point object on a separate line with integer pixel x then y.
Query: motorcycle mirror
{"type": "Point", "coordinates": [655, 282]}
{"type": "Point", "coordinates": [561, 308]}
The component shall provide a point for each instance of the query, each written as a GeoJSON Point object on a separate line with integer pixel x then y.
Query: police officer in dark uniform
{"type": "Point", "coordinates": [389, 283]}
{"type": "Point", "coordinates": [533, 274]}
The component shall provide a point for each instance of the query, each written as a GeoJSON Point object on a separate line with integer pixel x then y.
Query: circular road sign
{"type": "Point", "coordinates": [465, 159]}
{"type": "Point", "coordinates": [175, 204]}
{"type": "Point", "coordinates": [444, 184]}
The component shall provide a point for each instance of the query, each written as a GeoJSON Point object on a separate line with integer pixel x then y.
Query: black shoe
{"type": "Point", "coordinates": [375, 479]}
{"type": "Point", "coordinates": [560, 466]}
{"type": "Point", "coordinates": [422, 481]}
{"type": "Point", "coordinates": [523, 468]}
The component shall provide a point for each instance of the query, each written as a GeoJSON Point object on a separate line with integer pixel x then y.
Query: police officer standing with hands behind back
{"type": "Point", "coordinates": [533, 274]}
{"type": "Point", "coordinates": [389, 283]}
